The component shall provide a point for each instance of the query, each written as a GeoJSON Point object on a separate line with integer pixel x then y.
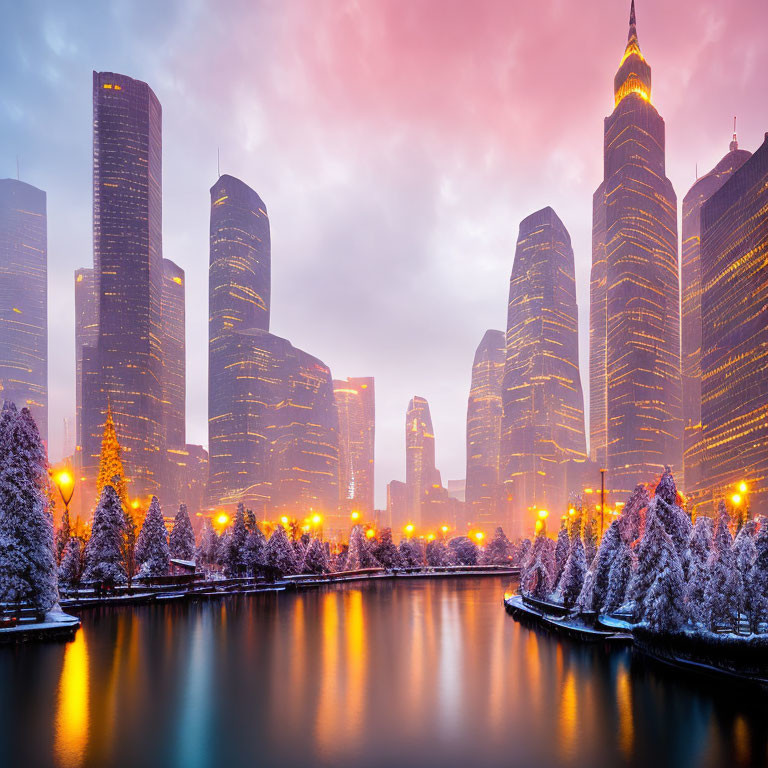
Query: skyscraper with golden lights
{"type": "Point", "coordinates": [734, 349]}
{"type": "Point", "coordinates": [420, 470]}
{"type": "Point", "coordinates": [24, 299]}
{"type": "Point", "coordinates": [543, 405]}
{"type": "Point", "coordinates": [691, 290]}
{"type": "Point", "coordinates": [355, 404]}
{"type": "Point", "coordinates": [635, 380]}
{"type": "Point", "coordinates": [484, 408]}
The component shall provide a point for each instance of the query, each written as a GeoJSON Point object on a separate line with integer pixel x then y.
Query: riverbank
{"type": "Point", "coordinates": [58, 626]}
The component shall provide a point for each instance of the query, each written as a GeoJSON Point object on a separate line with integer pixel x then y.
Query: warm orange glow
{"type": "Point", "coordinates": [134, 504]}
{"type": "Point", "coordinates": [539, 526]}
{"type": "Point", "coordinates": [72, 712]}
{"type": "Point", "coordinates": [64, 479]}
{"type": "Point", "coordinates": [370, 533]}
{"type": "Point", "coordinates": [284, 520]}
{"type": "Point", "coordinates": [479, 535]}
{"type": "Point", "coordinates": [430, 537]}
{"type": "Point", "coordinates": [571, 511]}
{"type": "Point", "coordinates": [355, 515]}
{"type": "Point", "coordinates": [742, 487]}
{"type": "Point", "coordinates": [543, 514]}
{"type": "Point", "coordinates": [222, 519]}
{"type": "Point", "coordinates": [409, 528]}
{"type": "Point", "coordinates": [736, 499]}
{"type": "Point", "coordinates": [316, 519]}
{"type": "Point", "coordinates": [587, 490]}
{"type": "Point", "coordinates": [444, 529]}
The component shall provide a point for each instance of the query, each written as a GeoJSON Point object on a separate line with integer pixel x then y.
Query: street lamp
{"type": "Point", "coordinates": [65, 482]}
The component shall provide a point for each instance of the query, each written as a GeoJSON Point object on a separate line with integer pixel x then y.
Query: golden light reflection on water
{"type": "Point", "coordinates": [624, 707]}
{"type": "Point", "coordinates": [355, 651]}
{"type": "Point", "coordinates": [325, 725]}
{"type": "Point", "coordinates": [72, 715]}
{"type": "Point", "coordinates": [568, 717]}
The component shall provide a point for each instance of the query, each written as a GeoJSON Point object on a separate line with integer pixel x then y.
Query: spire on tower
{"type": "Point", "coordinates": [734, 145]}
{"type": "Point", "coordinates": [632, 19]}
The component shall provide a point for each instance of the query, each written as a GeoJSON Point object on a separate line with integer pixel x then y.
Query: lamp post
{"type": "Point", "coordinates": [65, 482]}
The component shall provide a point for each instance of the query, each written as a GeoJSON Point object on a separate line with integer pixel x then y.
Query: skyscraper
{"type": "Point", "coordinates": [355, 404]}
{"type": "Point", "coordinates": [484, 410]}
{"type": "Point", "coordinates": [86, 335]}
{"type": "Point", "coordinates": [239, 300]}
{"type": "Point", "coordinates": [543, 405]}
{"type": "Point", "coordinates": [636, 417]}
{"type": "Point", "coordinates": [125, 368]}
{"type": "Point", "coordinates": [691, 286]}
{"type": "Point", "coordinates": [24, 299]}
{"type": "Point", "coordinates": [174, 359]}
{"type": "Point", "coordinates": [734, 359]}
{"type": "Point", "coordinates": [420, 471]}
{"type": "Point", "coordinates": [397, 504]}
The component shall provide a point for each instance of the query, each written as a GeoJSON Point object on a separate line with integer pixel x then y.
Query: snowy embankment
{"type": "Point", "coordinates": [56, 625]}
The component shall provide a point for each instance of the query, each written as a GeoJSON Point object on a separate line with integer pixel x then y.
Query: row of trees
{"type": "Point", "coordinates": [654, 566]}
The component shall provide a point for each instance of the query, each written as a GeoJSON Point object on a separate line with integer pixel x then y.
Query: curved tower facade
{"type": "Point", "coordinates": [420, 471]}
{"type": "Point", "coordinates": [543, 405]}
{"type": "Point", "coordinates": [636, 416]}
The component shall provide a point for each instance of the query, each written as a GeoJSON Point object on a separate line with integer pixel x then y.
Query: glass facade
{"type": "Point", "coordinates": [420, 471]}
{"type": "Point", "coordinates": [543, 404]}
{"type": "Point", "coordinates": [174, 358]}
{"type": "Point", "coordinates": [24, 299]}
{"type": "Point", "coordinates": [635, 380]}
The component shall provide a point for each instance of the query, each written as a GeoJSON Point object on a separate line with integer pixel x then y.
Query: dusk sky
{"type": "Point", "coordinates": [396, 145]}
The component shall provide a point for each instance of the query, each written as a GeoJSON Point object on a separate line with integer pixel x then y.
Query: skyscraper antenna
{"type": "Point", "coordinates": [697, 170]}
{"type": "Point", "coordinates": [734, 145]}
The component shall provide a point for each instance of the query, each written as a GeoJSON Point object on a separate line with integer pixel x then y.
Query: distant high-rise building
{"type": "Point", "coordinates": [484, 430]}
{"type": "Point", "coordinates": [691, 292]}
{"type": "Point", "coordinates": [734, 359]}
{"type": "Point", "coordinates": [174, 357]}
{"type": "Point", "coordinates": [420, 471]}
{"type": "Point", "coordinates": [239, 301]}
{"type": "Point", "coordinates": [86, 335]}
{"type": "Point", "coordinates": [125, 368]}
{"type": "Point", "coordinates": [355, 404]}
{"type": "Point", "coordinates": [543, 405]}
{"type": "Point", "coordinates": [24, 299]}
{"type": "Point", "coordinates": [397, 504]}
{"type": "Point", "coordinates": [635, 385]}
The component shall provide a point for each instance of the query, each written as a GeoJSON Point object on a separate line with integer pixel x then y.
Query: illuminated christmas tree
{"type": "Point", "coordinates": [110, 463]}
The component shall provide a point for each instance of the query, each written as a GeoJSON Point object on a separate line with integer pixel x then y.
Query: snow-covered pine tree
{"type": "Point", "coordinates": [648, 552]}
{"type": "Point", "coordinates": [632, 518]}
{"type": "Point", "coordinates": [28, 570]}
{"type": "Point", "coordinates": [562, 549]}
{"type": "Point", "coordinates": [523, 552]}
{"type": "Point", "coordinates": [63, 535]}
{"type": "Point", "coordinates": [234, 557]}
{"type": "Point", "coordinates": [584, 603]}
{"type": "Point", "coordinates": [465, 550]}
{"type": "Point", "coordinates": [744, 553]}
{"type": "Point", "coordinates": [255, 550]}
{"type": "Point", "coordinates": [181, 543]}
{"type": "Point", "coordinates": [411, 554]}
{"type": "Point", "coordinates": [572, 579]}
{"type": "Point", "coordinates": [71, 568]}
{"type": "Point", "coordinates": [208, 551]}
{"type": "Point", "coordinates": [129, 545]}
{"type": "Point", "coordinates": [385, 551]}
{"type": "Point", "coordinates": [662, 607]}
{"type": "Point", "coordinates": [676, 522]}
{"type": "Point", "coordinates": [104, 550]}
{"type": "Point", "coordinates": [278, 556]}
{"type": "Point", "coordinates": [590, 541]}
{"type": "Point", "coordinates": [153, 556]}
{"type": "Point", "coordinates": [697, 556]}
{"type": "Point", "coordinates": [499, 549]}
{"type": "Point", "coordinates": [759, 578]}
{"type": "Point", "coordinates": [250, 520]}
{"type": "Point", "coordinates": [602, 567]}
{"type": "Point", "coordinates": [355, 553]}
{"type": "Point", "coordinates": [315, 558]}
{"type": "Point", "coordinates": [538, 579]}
{"type": "Point", "coordinates": [618, 578]}
{"type": "Point", "coordinates": [111, 470]}
{"type": "Point", "coordinates": [719, 598]}
{"type": "Point", "coordinates": [435, 554]}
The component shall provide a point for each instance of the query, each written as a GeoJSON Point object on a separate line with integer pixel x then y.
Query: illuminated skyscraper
{"type": "Point", "coordinates": [86, 335]}
{"type": "Point", "coordinates": [125, 368]}
{"type": "Point", "coordinates": [636, 416]}
{"type": "Point", "coordinates": [239, 300]}
{"type": "Point", "coordinates": [174, 359]}
{"type": "Point", "coordinates": [420, 471]}
{"type": "Point", "coordinates": [24, 299]}
{"type": "Point", "coordinates": [484, 409]}
{"type": "Point", "coordinates": [734, 359]}
{"type": "Point", "coordinates": [543, 417]}
{"type": "Point", "coordinates": [691, 285]}
{"type": "Point", "coordinates": [397, 504]}
{"type": "Point", "coordinates": [355, 404]}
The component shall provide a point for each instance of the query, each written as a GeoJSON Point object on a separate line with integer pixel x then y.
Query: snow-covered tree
{"type": "Point", "coordinates": [359, 554]}
{"type": "Point", "coordinates": [436, 553]}
{"type": "Point", "coordinates": [71, 568]}
{"type": "Point", "coordinates": [234, 557]}
{"type": "Point", "coordinates": [63, 535]}
{"type": "Point", "coordinates": [499, 550]}
{"type": "Point", "coordinates": [584, 603]}
{"type": "Point", "coordinates": [537, 582]}
{"type": "Point", "coordinates": [590, 541]}
{"type": "Point", "coordinates": [110, 461]}
{"type": "Point", "coordinates": [104, 550]}
{"type": "Point", "coordinates": [279, 556]}
{"type": "Point", "coordinates": [523, 551]}
{"type": "Point", "coordinates": [152, 545]}
{"type": "Point", "coordinates": [759, 578]}
{"type": "Point", "coordinates": [719, 597]}
{"type": "Point", "coordinates": [315, 558]}
{"type": "Point", "coordinates": [181, 543]}
{"type": "Point", "coordinates": [562, 549]}
{"type": "Point", "coordinates": [129, 545]}
{"type": "Point", "coordinates": [741, 586]}
{"type": "Point", "coordinates": [410, 553]}
{"type": "Point", "coordinates": [465, 550]}
{"type": "Point", "coordinates": [572, 579]}
{"type": "Point", "coordinates": [676, 522]}
{"type": "Point", "coordinates": [662, 607]}
{"type": "Point", "coordinates": [649, 552]}
{"type": "Point", "coordinates": [602, 565]}
{"type": "Point", "coordinates": [28, 570]}
{"type": "Point", "coordinates": [619, 577]}
{"type": "Point", "coordinates": [632, 518]}
{"type": "Point", "coordinates": [385, 551]}
{"type": "Point", "coordinates": [697, 557]}
{"type": "Point", "coordinates": [255, 550]}
{"type": "Point", "coordinates": [208, 551]}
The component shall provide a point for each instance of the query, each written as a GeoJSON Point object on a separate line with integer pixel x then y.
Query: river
{"type": "Point", "coordinates": [408, 673]}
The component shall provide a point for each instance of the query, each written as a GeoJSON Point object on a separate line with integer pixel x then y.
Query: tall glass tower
{"type": "Point", "coordinates": [420, 471]}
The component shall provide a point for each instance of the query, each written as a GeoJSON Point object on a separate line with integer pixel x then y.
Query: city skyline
{"type": "Point", "coordinates": [482, 306]}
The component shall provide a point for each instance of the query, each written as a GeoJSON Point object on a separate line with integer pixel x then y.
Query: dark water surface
{"type": "Point", "coordinates": [413, 673]}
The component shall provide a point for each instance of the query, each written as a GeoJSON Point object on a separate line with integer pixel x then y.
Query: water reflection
{"type": "Point", "coordinates": [411, 674]}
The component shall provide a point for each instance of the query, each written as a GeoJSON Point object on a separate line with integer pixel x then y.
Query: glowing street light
{"type": "Point", "coordinates": [409, 528]}
{"type": "Point", "coordinates": [736, 499]}
{"type": "Point", "coordinates": [370, 533]}
{"type": "Point", "coordinates": [543, 514]}
{"type": "Point", "coordinates": [355, 515]}
{"type": "Point", "coordinates": [222, 518]}
{"type": "Point", "coordinates": [742, 487]}
{"type": "Point", "coordinates": [430, 537]}
{"type": "Point", "coordinates": [479, 535]}
{"type": "Point", "coordinates": [317, 519]}
{"type": "Point", "coordinates": [444, 529]}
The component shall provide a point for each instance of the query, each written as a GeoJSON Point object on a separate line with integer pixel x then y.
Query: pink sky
{"type": "Point", "coordinates": [396, 144]}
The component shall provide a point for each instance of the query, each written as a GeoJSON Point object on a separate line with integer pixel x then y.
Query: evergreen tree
{"type": "Point", "coordinates": [673, 517]}
{"type": "Point", "coordinates": [27, 554]}
{"type": "Point", "coordinates": [759, 578]}
{"type": "Point", "coordinates": [699, 551]}
{"type": "Point", "coordinates": [741, 586]}
{"type": "Point", "coordinates": [359, 554]}
{"type": "Point", "coordinates": [110, 461]}
{"type": "Point", "coordinates": [719, 597]}
{"type": "Point", "coordinates": [649, 552]}
{"type": "Point", "coordinates": [618, 578]}
{"type": "Point", "coordinates": [385, 551]}
{"type": "Point", "coordinates": [538, 579]}
{"type": "Point", "coordinates": [584, 604]}
{"type": "Point", "coordinates": [255, 550]}
{"type": "Point", "coordinates": [71, 568]}
{"type": "Point", "coordinates": [410, 554]}
{"type": "Point", "coordinates": [181, 542]}
{"type": "Point", "coordinates": [662, 605]}
{"type": "Point", "coordinates": [562, 550]}
{"type": "Point", "coordinates": [499, 550]}
{"type": "Point", "coordinates": [208, 551]}
{"type": "Point", "coordinates": [603, 563]}
{"type": "Point", "coordinates": [104, 551]}
{"type": "Point", "coordinates": [63, 534]}
{"type": "Point", "coordinates": [435, 553]}
{"type": "Point", "coordinates": [152, 546]}
{"type": "Point", "coordinates": [250, 520]}
{"type": "Point", "coordinates": [279, 558]}
{"type": "Point", "coordinates": [316, 558]}
{"type": "Point", "coordinates": [632, 518]}
{"type": "Point", "coordinates": [572, 579]}
{"type": "Point", "coordinates": [129, 545]}
{"type": "Point", "coordinates": [465, 550]}
{"type": "Point", "coordinates": [234, 557]}
{"type": "Point", "coordinates": [590, 541]}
